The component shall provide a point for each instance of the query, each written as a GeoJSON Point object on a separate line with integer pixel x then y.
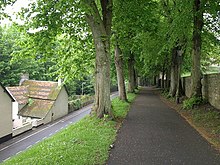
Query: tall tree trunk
{"type": "Point", "coordinates": [155, 81]}
{"type": "Point", "coordinates": [163, 76]}
{"type": "Point", "coordinates": [179, 90]}
{"type": "Point", "coordinates": [197, 45]}
{"type": "Point", "coordinates": [120, 73]}
{"type": "Point", "coordinates": [135, 78]}
{"type": "Point", "coordinates": [131, 74]}
{"type": "Point", "coordinates": [174, 73]}
{"type": "Point", "coordinates": [101, 30]}
{"type": "Point", "coordinates": [162, 79]}
{"type": "Point", "coordinates": [167, 85]}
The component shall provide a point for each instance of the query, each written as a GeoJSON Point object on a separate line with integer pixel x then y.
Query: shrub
{"type": "Point", "coordinates": [191, 102]}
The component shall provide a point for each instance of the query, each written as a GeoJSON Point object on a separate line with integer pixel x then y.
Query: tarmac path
{"type": "Point", "coordinates": [155, 134]}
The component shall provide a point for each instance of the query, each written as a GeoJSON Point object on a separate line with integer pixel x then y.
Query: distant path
{"type": "Point", "coordinates": [154, 134]}
{"type": "Point", "coordinates": [28, 139]}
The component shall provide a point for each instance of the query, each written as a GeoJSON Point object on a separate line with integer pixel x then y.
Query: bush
{"type": "Point", "coordinates": [191, 102]}
{"type": "Point", "coordinates": [78, 102]}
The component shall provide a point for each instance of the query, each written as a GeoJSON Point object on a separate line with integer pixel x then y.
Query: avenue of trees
{"type": "Point", "coordinates": [97, 41]}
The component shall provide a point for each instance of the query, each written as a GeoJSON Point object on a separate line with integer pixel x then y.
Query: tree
{"type": "Point", "coordinates": [57, 18]}
{"type": "Point", "coordinates": [101, 30]}
{"type": "Point", "coordinates": [198, 10]}
{"type": "Point", "coordinates": [120, 73]}
{"type": "Point", "coordinates": [131, 20]}
{"type": "Point", "coordinates": [205, 14]}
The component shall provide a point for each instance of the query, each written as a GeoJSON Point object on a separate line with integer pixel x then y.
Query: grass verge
{"type": "Point", "coordinates": [86, 142]}
{"type": "Point", "coordinates": [204, 118]}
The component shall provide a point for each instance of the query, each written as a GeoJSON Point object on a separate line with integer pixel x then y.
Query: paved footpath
{"type": "Point", "coordinates": [154, 134]}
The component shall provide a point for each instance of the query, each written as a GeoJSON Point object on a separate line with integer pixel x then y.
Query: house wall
{"type": "Point", "coordinates": [210, 88]}
{"type": "Point", "coordinates": [6, 115]}
{"type": "Point", "coordinates": [60, 107]}
{"type": "Point", "coordinates": [47, 119]}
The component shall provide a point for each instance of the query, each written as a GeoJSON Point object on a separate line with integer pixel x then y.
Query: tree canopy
{"type": "Point", "coordinates": [75, 39]}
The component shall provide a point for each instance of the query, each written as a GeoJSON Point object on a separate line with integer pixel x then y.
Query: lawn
{"type": "Point", "coordinates": [86, 142]}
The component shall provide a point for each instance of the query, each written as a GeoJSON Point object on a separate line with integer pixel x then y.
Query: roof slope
{"type": "Point", "coordinates": [46, 90]}
{"type": "Point", "coordinates": [39, 97]}
{"type": "Point", "coordinates": [20, 94]}
{"type": "Point", "coordinates": [36, 108]}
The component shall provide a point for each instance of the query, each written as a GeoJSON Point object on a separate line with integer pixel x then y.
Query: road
{"type": "Point", "coordinates": [30, 138]}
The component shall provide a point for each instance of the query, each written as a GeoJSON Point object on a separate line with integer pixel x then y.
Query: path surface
{"type": "Point", "coordinates": [153, 133]}
{"type": "Point", "coordinates": [30, 138]}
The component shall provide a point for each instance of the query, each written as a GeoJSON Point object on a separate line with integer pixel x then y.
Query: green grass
{"type": "Point", "coordinates": [121, 108]}
{"type": "Point", "coordinates": [86, 142]}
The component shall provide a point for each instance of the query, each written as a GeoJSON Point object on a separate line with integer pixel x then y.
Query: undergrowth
{"type": "Point", "coordinates": [209, 119]}
{"type": "Point", "coordinates": [190, 103]}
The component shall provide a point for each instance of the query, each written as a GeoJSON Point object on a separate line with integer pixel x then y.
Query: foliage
{"type": "Point", "coordinates": [191, 102]}
{"type": "Point", "coordinates": [79, 143]}
{"type": "Point", "coordinates": [11, 68]}
{"type": "Point", "coordinates": [18, 57]}
{"type": "Point", "coordinates": [130, 23]}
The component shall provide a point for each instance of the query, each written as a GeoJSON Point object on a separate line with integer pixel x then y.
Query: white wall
{"type": "Point", "coordinates": [60, 107]}
{"type": "Point", "coordinates": [47, 119]}
{"type": "Point", "coordinates": [17, 120]}
{"type": "Point", "coordinates": [15, 110]}
{"type": "Point", "coordinates": [5, 114]}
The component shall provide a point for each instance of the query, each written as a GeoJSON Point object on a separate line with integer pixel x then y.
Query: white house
{"type": "Point", "coordinates": [6, 114]}
{"type": "Point", "coordinates": [40, 101]}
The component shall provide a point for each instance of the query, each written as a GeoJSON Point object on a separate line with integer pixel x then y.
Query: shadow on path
{"type": "Point", "coordinates": [153, 133]}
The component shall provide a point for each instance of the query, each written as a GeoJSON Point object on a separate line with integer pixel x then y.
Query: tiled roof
{"type": "Point", "coordinates": [36, 108]}
{"type": "Point", "coordinates": [39, 97]}
{"type": "Point", "coordinates": [20, 94]}
{"type": "Point", "coordinates": [46, 90]}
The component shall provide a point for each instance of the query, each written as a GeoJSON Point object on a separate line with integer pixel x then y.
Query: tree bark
{"type": "Point", "coordinates": [131, 74]}
{"type": "Point", "coordinates": [173, 73]}
{"type": "Point", "coordinates": [179, 90]}
{"type": "Point", "coordinates": [120, 73]}
{"type": "Point", "coordinates": [101, 30]}
{"type": "Point", "coordinates": [155, 81]}
{"type": "Point", "coordinates": [167, 85]}
{"type": "Point", "coordinates": [196, 53]}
